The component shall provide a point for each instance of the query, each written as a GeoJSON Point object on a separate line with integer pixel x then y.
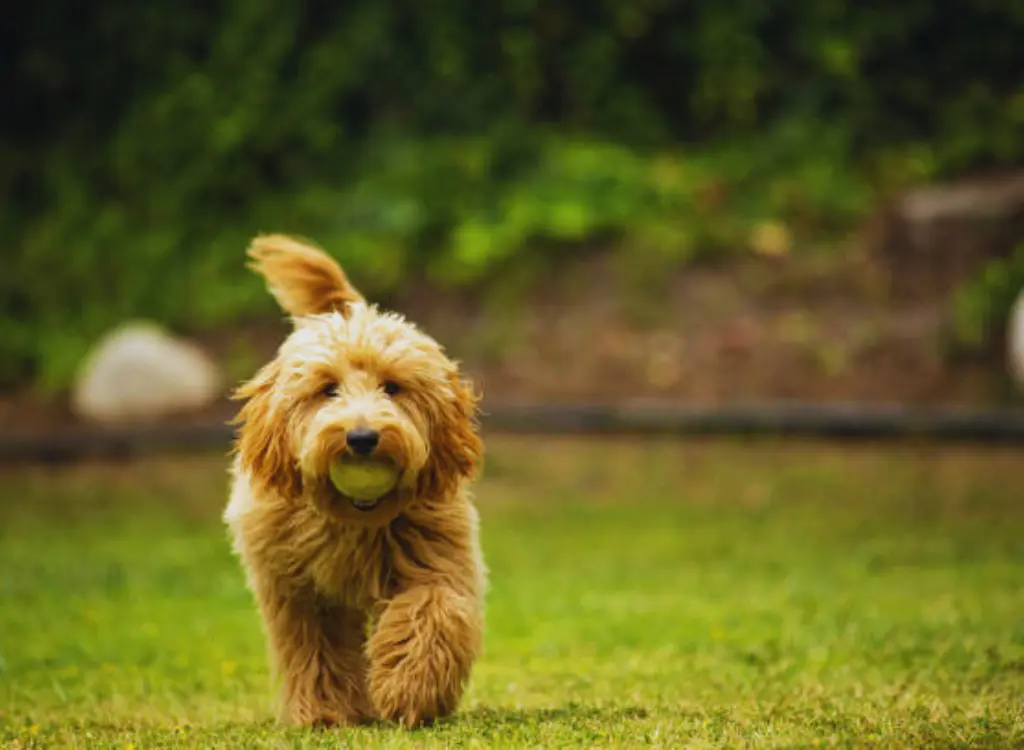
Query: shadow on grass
{"type": "Point", "coordinates": [569, 714]}
{"type": "Point", "coordinates": [480, 718]}
{"type": "Point", "coordinates": [491, 719]}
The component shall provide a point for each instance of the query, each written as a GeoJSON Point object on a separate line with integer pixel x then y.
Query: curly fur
{"type": "Point", "coordinates": [367, 614]}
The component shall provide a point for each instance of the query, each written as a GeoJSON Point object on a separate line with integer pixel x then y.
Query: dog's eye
{"type": "Point", "coordinates": [391, 387]}
{"type": "Point", "coordinates": [330, 390]}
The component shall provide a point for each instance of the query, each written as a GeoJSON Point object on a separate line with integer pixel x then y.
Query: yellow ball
{"type": "Point", "coordinates": [363, 479]}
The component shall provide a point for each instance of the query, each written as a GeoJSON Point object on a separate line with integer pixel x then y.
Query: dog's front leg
{"type": "Point", "coordinates": [421, 653]}
{"type": "Point", "coordinates": [319, 657]}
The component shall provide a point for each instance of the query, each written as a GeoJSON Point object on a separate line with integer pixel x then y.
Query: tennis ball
{"type": "Point", "coordinates": [363, 479]}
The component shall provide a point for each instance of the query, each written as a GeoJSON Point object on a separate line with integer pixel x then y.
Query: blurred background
{"type": "Point", "coordinates": [585, 201]}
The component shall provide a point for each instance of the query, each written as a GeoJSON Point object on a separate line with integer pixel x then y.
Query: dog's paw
{"type": "Point", "coordinates": [421, 653]}
{"type": "Point", "coordinates": [325, 717]}
{"type": "Point", "coordinates": [325, 709]}
{"type": "Point", "coordinates": [411, 701]}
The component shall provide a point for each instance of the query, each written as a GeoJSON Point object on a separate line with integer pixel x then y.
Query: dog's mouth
{"type": "Point", "coordinates": [364, 490]}
{"type": "Point", "coordinates": [366, 505]}
{"type": "Point", "coordinates": [362, 511]}
{"type": "Point", "coordinates": [362, 504]}
{"type": "Point", "coordinates": [364, 481]}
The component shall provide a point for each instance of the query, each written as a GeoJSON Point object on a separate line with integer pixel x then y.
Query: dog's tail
{"type": "Point", "coordinates": [303, 278]}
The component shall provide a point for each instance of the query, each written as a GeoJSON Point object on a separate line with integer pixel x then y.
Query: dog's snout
{"type": "Point", "coordinates": [362, 440]}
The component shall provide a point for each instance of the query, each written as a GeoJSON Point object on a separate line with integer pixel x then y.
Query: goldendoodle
{"type": "Point", "coordinates": [350, 507]}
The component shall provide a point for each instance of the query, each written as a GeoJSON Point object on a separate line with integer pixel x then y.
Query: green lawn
{"type": "Point", "coordinates": [670, 594]}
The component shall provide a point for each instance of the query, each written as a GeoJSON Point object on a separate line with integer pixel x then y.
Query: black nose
{"type": "Point", "coordinates": [362, 440]}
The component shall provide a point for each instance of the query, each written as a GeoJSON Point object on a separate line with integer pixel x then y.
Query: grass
{"type": "Point", "coordinates": [665, 594]}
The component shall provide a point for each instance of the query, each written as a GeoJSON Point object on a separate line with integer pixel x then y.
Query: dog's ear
{"type": "Point", "coordinates": [456, 448]}
{"type": "Point", "coordinates": [303, 278]}
{"type": "Point", "coordinates": [263, 442]}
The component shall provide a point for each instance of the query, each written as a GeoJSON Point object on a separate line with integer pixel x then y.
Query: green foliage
{"type": "Point", "coordinates": [664, 599]}
{"type": "Point", "coordinates": [981, 307]}
{"type": "Point", "coordinates": [145, 142]}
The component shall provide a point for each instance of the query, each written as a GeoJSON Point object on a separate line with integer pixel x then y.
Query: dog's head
{"type": "Point", "coordinates": [350, 379]}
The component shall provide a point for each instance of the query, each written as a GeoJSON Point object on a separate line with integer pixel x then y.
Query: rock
{"type": "Point", "coordinates": [1015, 341]}
{"type": "Point", "coordinates": [934, 238]}
{"type": "Point", "coordinates": [138, 371]}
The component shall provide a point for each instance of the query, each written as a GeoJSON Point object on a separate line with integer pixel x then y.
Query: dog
{"type": "Point", "coordinates": [371, 611]}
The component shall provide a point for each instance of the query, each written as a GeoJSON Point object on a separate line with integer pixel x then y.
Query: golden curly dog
{"type": "Point", "coordinates": [370, 610]}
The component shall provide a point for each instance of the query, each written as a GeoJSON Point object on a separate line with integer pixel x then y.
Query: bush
{"type": "Point", "coordinates": [145, 142]}
{"type": "Point", "coordinates": [981, 306]}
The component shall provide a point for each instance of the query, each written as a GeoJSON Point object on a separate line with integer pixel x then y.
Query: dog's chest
{"type": "Point", "coordinates": [303, 550]}
{"type": "Point", "coordinates": [350, 568]}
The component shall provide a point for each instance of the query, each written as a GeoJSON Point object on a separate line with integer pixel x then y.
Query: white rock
{"type": "Point", "coordinates": [1015, 340]}
{"type": "Point", "coordinates": [138, 371]}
